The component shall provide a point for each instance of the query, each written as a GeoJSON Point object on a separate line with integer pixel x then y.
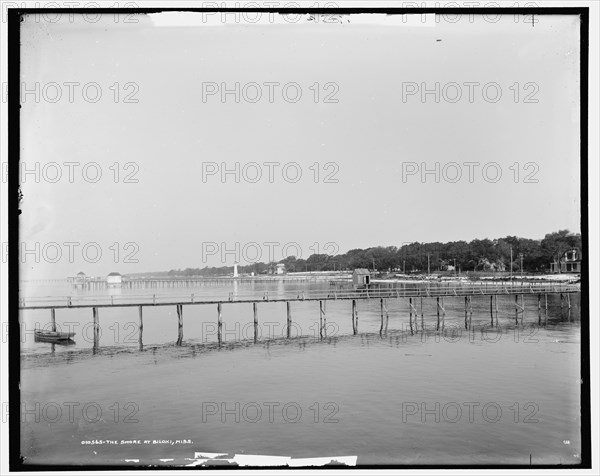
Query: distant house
{"type": "Point", "coordinates": [114, 279]}
{"type": "Point", "coordinates": [280, 268]}
{"type": "Point", "coordinates": [446, 266]}
{"type": "Point", "coordinates": [498, 266]}
{"type": "Point", "coordinates": [361, 277]}
{"type": "Point", "coordinates": [569, 262]}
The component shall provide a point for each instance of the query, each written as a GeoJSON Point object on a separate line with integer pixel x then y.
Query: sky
{"type": "Point", "coordinates": [360, 134]}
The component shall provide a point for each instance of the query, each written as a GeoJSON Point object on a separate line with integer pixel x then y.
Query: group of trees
{"type": "Point", "coordinates": [476, 255]}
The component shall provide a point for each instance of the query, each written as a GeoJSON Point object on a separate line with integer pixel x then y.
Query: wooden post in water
{"type": "Point", "coordinates": [96, 318]}
{"type": "Point", "coordinates": [255, 311]}
{"type": "Point", "coordinates": [546, 316]}
{"type": "Point", "coordinates": [289, 320]}
{"type": "Point", "coordinates": [220, 324]}
{"type": "Point", "coordinates": [438, 313]}
{"type": "Point", "coordinates": [320, 319]}
{"type": "Point", "coordinates": [422, 319]}
{"type": "Point", "coordinates": [470, 312]}
{"type": "Point", "coordinates": [141, 328]}
{"type": "Point", "coordinates": [53, 319]}
{"type": "Point", "coordinates": [410, 314]}
{"type": "Point", "coordinates": [466, 310]}
{"type": "Point", "coordinates": [354, 318]}
{"type": "Point", "coordinates": [516, 308]}
{"type": "Point", "coordinates": [324, 317]}
{"type": "Point", "coordinates": [381, 306]}
{"type": "Point", "coordinates": [539, 309]}
{"type": "Point", "coordinates": [522, 308]}
{"type": "Point", "coordinates": [179, 324]}
{"type": "Point", "coordinates": [492, 308]}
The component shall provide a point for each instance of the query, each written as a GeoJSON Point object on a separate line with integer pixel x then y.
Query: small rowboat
{"type": "Point", "coordinates": [53, 336]}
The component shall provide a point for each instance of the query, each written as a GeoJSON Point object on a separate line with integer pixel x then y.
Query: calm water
{"type": "Point", "coordinates": [498, 395]}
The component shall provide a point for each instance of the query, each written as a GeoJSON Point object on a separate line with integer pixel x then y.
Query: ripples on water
{"type": "Point", "coordinates": [367, 395]}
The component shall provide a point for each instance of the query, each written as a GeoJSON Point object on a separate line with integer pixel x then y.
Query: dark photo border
{"type": "Point", "coordinates": [16, 462]}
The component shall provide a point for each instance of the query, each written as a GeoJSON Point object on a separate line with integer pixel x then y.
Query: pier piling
{"type": "Point", "coordinates": [53, 319]}
{"type": "Point", "coordinates": [141, 328]}
{"type": "Point", "coordinates": [322, 320]}
{"type": "Point", "coordinates": [220, 324]}
{"type": "Point", "coordinates": [289, 319]}
{"type": "Point", "coordinates": [470, 312]}
{"type": "Point", "coordinates": [96, 318]}
{"type": "Point", "coordinates": [381, 309]}
{"type": "Point", "coordinates": [410, 308]}
{"type": "Point", "coordinates": [180, 324]}
{"type": "Point", "coordinates": [255, 313]}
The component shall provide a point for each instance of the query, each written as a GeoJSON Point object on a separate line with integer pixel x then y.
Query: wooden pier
{"type": "Point", "coordinates": [132, 282]}
{"type": "Point", "coordinates": [413, 296]}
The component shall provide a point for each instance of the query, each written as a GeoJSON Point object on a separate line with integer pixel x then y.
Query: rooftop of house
{"type": "Point", "coordinates": [361, 271]}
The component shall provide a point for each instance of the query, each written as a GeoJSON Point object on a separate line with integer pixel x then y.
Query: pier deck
{"type": "Point", "coordinates": [452, 290]}
{"type": "Point", "coordinates": [380, 292]}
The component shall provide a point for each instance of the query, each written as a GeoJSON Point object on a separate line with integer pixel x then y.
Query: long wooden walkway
{"type": "Point", "coordinates": [493, 290]}
{"type": "Point", "coordinates": [379, 292]}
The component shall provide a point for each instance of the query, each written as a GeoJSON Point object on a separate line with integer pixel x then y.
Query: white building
{"type": "Point", "coordinates": [114, 279]}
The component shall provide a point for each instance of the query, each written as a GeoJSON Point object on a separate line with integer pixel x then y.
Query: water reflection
{"type": "Point", "coordinates": [452, 333]}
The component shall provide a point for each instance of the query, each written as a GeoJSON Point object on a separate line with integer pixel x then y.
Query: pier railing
{"type": "Point", "coordinates": [371, 292]}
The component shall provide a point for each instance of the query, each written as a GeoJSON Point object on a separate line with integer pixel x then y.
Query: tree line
{"type": "Point", "coordinates": [476, 255]}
